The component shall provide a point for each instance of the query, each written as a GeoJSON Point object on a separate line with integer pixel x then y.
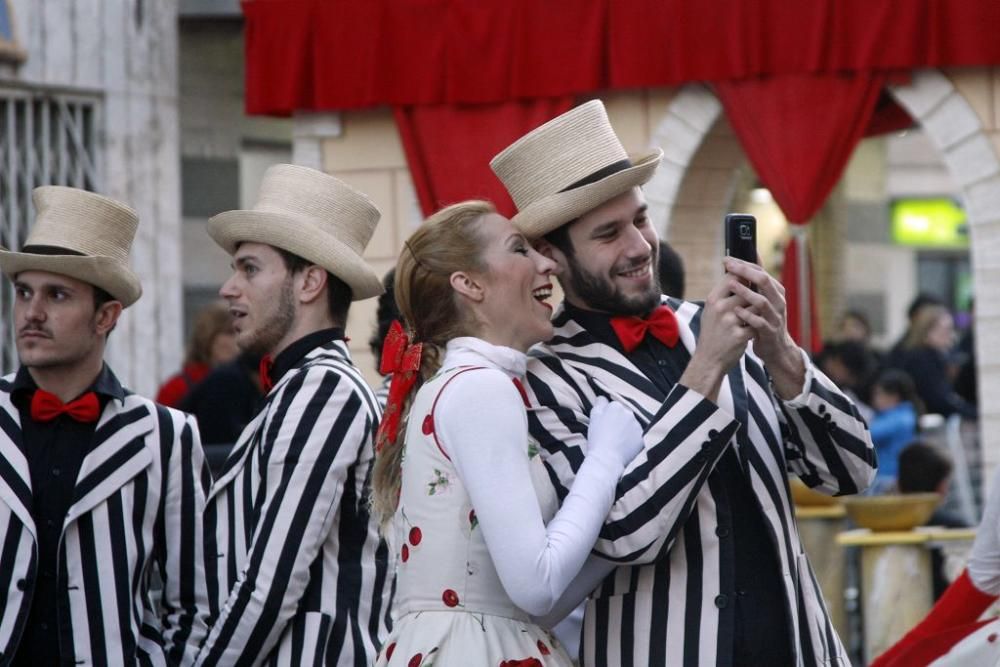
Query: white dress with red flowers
{"type": "Point", "coordinates": [451, 606]}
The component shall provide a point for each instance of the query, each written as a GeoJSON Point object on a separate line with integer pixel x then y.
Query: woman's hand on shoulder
{"type": "Point", "coordinates": [613, 431]}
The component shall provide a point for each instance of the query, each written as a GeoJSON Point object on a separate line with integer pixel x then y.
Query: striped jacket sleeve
{"type": "Point", "coordinates": [657, 492]}
{"type": "Point", "coordinates": [186, 480]}
{"type": "Point", "coordinates": [827, 442]}
{"type": "Point", "coordinates": [309, 444]}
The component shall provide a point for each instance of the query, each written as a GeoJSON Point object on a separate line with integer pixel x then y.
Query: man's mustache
{"type": "Point", "coordinates": [35, 329]}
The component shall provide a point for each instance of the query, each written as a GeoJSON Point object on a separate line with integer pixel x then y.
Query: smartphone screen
{"type": "Point", "coordinates": [741, 239]}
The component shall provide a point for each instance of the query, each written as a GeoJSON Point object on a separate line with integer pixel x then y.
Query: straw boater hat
{"type": "Point", "coordinates": [312, 215]}
{"type": "Point", "coordinates": [568, 166]}
{"type": "Point", "coordinates": [81, 235]}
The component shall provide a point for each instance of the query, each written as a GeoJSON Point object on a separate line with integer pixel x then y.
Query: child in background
{"type": "Point", "coordinates": [924, 468]}
{"type": "Point", "coordinates": [894, 425]}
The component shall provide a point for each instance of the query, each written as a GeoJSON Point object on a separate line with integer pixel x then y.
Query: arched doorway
{"type": "Point", "coordinates": [702, 163]}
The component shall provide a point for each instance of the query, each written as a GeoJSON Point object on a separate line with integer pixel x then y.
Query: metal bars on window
{"type": "Point", "coordinates": [46, 138]}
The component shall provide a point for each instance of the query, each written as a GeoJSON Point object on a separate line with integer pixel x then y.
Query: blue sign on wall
{"type": "Point", "coordinates": [9, 49]}
{"type": "Point", "coordinates": [6, 26]}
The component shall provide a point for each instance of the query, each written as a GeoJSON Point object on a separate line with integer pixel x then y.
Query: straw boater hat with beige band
{"type": "Point", "coordinates": [310, 214]}
{"type": "Point", "coordinates": [568, 166]}
{"type": "Point", "coordinates": [81, 235]}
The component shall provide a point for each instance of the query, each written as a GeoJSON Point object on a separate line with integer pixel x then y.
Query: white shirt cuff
{"type": "Point", "coordinates": [801, 400]}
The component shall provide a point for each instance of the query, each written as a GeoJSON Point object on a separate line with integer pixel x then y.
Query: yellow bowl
{"type": "Point", "coordinates": [803, 496]}
{"type": "Point", "coordinates": [897, 512]}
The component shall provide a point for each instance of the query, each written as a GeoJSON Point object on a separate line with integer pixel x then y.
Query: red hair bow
{"type": "Point", "coordinates": [401, 359]}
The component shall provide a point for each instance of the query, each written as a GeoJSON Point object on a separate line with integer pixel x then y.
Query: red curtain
{"type": "Point", "coordinates": [800, 295]}
{"type": "Point", "coordinates": [345, 54]}
{"type": "Point", "coordinates": [798, 132]}
{"type": "Point", "coordinates": [448, 148]}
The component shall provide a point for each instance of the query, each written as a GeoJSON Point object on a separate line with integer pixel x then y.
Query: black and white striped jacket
{"type": "Point", "coordinates": [138, 506]}
{"type": "Point", "coordinates": [667, 604]}
{"type": "Point", "coordinates": [297, 572]}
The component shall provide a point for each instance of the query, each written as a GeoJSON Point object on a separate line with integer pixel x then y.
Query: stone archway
{"type": "Point", "coordinates": [696, 182]}
{"type": "Point", "coordinates": [968, 152]}
{"type": "Point", "coordinates": [694, 185]}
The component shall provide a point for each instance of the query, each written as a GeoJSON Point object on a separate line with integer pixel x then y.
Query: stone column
{"type": "Point", "coordinates": [896, 584]}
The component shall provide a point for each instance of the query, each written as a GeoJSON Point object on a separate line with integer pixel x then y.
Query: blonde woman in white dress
{"type": "Point", "coordinates": [483, 544]}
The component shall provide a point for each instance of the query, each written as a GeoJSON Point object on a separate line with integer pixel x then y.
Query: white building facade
{"type": "Point", "coordinates": [88, 98]}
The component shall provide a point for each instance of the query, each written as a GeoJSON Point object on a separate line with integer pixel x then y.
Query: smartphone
{"type": "Point", "coordinates": [741, 237]}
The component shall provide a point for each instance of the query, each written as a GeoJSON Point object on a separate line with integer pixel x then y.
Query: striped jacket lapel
{"type": "Point", "coordinates": [120, 452]}
{"type": "Point", "coordinates": [629, 384]}
{"type": "Point", "coordinates": [732, 396]}
{"type": "Point", "coordinates": [15, 478]}
{"type": "Point", "coordinates": [235, 460]}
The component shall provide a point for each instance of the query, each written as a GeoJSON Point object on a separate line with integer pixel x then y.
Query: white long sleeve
{"type": "Point", "coordinates": [984, 561]}
{"type": "Point", "coordinates": [594, 571]}
{"type": "Point", "coordinates": [482, 426]}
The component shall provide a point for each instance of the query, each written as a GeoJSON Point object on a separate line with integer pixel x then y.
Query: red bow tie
{"type": "Point", "coordinates": [264, 370]}
{"type": "Point", "coordinates": [661, 323]}
{"type": "Point", "coordinates": [45, 407]}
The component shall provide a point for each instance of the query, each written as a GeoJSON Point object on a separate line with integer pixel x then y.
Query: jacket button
{"type": "Point", "coordinates": [721, 601]}
{"type": "Point", "coordinates": [22, 584]}
{"type": "Point", "coordinates": [712, 433]}
{"type": "Point", "coordinates": [706, 445]}
{"type": "Point", "coordinates": [722, 531]}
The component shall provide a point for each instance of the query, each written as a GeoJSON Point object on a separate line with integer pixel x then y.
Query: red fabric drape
{"type": "Point", "coordinates": [344, 54]}
{"type": "Point", "coordinates": [798, 132]}
{"type": "Point", "coordinates": [888, 116]}
{"type": "Point", "coordinates": [800, 319]}
{"type": "Point", "coordinates": [448, 148]}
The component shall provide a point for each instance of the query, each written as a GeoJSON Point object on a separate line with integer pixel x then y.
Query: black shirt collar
{"type": "Point", "coordinates": [291, 355]}
{"type": "Point", "coordinates": [105, 385]}
{"type": "Point", "coordinates": [597, 323]}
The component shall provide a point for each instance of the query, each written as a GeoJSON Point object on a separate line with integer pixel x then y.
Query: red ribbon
{"type": "Point", "coordinates": [46, 406]}
{"type": "Point", "coordinates": [661, 323]}
{"type": "Point", "coordinates": [401, 359]}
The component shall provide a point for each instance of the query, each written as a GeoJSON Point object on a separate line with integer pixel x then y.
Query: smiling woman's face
{"type": "Point", "coordinates": [516, 283]}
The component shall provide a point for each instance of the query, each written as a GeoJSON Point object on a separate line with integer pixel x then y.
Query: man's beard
{"type": "Point", "coordinates": [276, 326]}
{"type": "Point", "coordinates": [600, 293]}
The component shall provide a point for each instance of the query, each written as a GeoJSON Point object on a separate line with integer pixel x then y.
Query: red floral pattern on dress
{"type": "Point", "coordinates": [450, 598]}
{"type": "Point", "coordinates": [473, 519]}
{"type": "Point", "coordinates": [389, 651]}
{"type": "Point", "coordinates": [523, 662]}
{"type": "Point", "coordinates": [428, 425]}
{"type": "Point", "coordinates": [404, 553]}
{"type": "Point", "coordinates": [542, 648]}
{"type": "Point", "coordinates": [415, 536]}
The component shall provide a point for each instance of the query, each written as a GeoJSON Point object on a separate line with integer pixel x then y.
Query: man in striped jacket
{"type": "Point", "coordinates": [711, 569]}
{"type": "Point", "coordinates": [100, 490]}
{"type": "Point", "coordinates": [297, 572]}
